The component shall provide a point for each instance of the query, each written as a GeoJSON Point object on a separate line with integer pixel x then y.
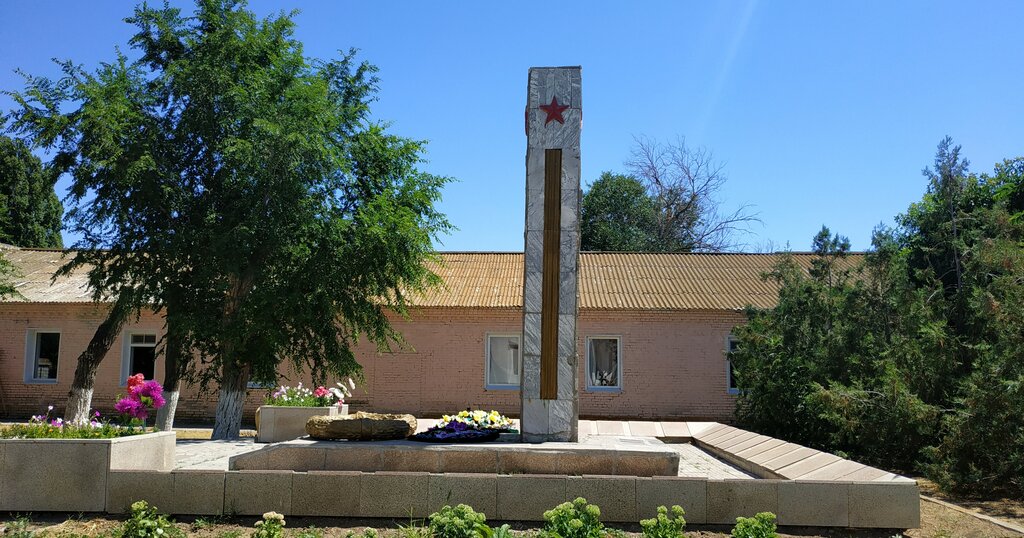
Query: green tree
{"type": "Point", "coordinates": [243, 189]}
{"type": "Point", "coordinates": [7, 274]}
{"type": "Point", "coordinates": [910, 359]}
{"type": "Point", "coordinates": [30, 211]}
{"type": "Point", "coordinates": [618, 215]}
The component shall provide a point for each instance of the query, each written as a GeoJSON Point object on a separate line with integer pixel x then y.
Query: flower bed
{"type": "Point", "coordinates": [283, 417]}
{"type": "Point", "coordinates": [467, 427]}
{"type": "Point", "coordinates": [71, 474]}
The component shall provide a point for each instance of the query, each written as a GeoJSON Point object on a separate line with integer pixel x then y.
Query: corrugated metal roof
{"type": "Point", "coordinates": [608, 280]}
{"type": "Point", "coordinates": [34, 278]}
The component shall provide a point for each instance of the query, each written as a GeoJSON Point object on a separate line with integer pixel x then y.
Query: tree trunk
{"type": "Point", "coordinates": [80, 395]}
{"type": "Point", "coordinates": [228, 420]}
{"type": "Point", "coordinates": [175, 361]}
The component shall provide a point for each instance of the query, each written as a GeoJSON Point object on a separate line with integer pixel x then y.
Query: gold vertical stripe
{"type": "Point", "coordinates": [550, 281]}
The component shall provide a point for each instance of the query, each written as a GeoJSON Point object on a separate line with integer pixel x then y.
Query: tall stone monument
{"type": "Point", "coordinates": [549, 390]}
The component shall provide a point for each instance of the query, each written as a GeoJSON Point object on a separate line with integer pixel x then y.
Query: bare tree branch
{"type": "Point", "coordinates": [685, 182]}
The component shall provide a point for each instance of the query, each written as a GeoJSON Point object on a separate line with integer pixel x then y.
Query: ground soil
{"type": "Point", "coordinates": [937, 521]}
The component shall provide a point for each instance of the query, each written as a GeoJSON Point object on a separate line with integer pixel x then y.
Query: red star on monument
{"type": "Point", "coordinates": [554, 111]}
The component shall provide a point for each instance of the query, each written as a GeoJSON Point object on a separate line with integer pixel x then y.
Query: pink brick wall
{"type": "Point", "coordinates": [673, 364]}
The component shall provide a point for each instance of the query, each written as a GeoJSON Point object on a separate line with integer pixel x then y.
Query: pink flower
{"type": "Point", "coordinates": [320, 392]}
{"type": "Point", "coordinates": [134, 382]}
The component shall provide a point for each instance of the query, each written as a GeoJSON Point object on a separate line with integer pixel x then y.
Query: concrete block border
{"type": "Point", "coordinates": [400, 495]}
{"type": "Point", "coordinates": [71, 474]}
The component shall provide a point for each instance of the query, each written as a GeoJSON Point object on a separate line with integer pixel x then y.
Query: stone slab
{"type": "Point", "coordinates": [789, 454]}
{"type": "Point", "coordinates": [645, 429]}
{"type": "Point", "coordinates": [619, 455]}
{"type": "Point", "coordinates": [326, 493]}
{"type": "Point", "coordinates": [729, 499]}
{"type": "Point", "coordinates": [752, 442]}
{"type": "Point", "coordinates": [888, 505]}
{"type": "Point", "coordinates": [411, 459]}
{"type": "Point", "coordinates": [833, 470]}
{"type": "Point", "coordinates": [734, 441]}
{"type": "Point", "coordinates": [257, 492]}
{"type": "Point", "coordinates": [717, 433]}
{"type": "Point", "coordinates": [126, 487]}
{"type": "Point", "coordinates": [814, 504]}
{"type": "Point", "coordinates": [354, 457]}
{"type": "Point", "coordinates": [760, 447]}
{"type": "Point", "coordinates": [689, 493]}
{"type": "Point", "coordinates": [526, 497]}
{"type": "Point", "coordinates": [610, 427]}
{"type": "Point", "coordinates": [477, 490]}
{"type": "Point", "coordinates": [677, 430]}
{"type": "Point", "coordinates": [393, 494]}
{"type": "Point", "coordinates": [55, 475]}
{"type": "Point", "coordinates": [725, 436]}
{"type": "Point", "coordinates": [463, 461]}
{"type": "Point", "coordinates": [614, 495]}
{"type": "Point", "coordinates": [198, 492]}
{"type": "Point", "coordinates": [805, 466]}
{"type": "Point", "coordinates": [295, 459]}
{"type": "Point", "coordinates": [863, 475]}
{"type": "Point", "coordinates": [152, 451]}
{"type": "Point", "coordinates": [701, 428]}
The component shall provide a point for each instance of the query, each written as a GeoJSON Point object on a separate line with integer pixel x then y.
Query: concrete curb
{"type": "Point", "coordinates": [998, 522]}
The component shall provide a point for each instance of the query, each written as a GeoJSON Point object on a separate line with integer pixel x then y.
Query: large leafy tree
{"type": "Point", "coordinates": [30, 212]}
{"type": "Point", "coordinates": [618, 215]}
{"type": "Point", "coordinates": [242, 188]}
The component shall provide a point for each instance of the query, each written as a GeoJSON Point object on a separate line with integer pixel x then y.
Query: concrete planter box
{"type": "Point", "coordinates": [276, 423]}
{"type": "Point", "coordinates": [70, 475]}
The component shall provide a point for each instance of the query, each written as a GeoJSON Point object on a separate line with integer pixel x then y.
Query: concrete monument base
{"type": "Point", "coordinates": [628, 456]}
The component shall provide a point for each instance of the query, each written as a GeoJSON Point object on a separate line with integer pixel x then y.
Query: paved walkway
{"type": "Point", "coordinates": [693, 462]}
{"type": "Point", "coordinates": [199, 454]}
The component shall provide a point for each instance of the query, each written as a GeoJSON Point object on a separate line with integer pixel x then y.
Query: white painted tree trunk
{"type": "Point", "coordinates": [79, 404]}
{"type": "Point", "coordinates": [228, 420]}
{"type": "Point", "coordinates": [165, 415]}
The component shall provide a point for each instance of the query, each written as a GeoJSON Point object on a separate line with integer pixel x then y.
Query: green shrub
{"type": "Point", "coordinates": [503, 531]}
{"type": "Point", "coordinates": [272, 526]}
{"type": "Point", "coordinates": [662, 526]}
{"type": "Point", "coordinates": [459, 522]}
{"type": "Point", "coordinates": [574, 520]}
{"type": "Point", "coordinates": [19, 528]}
{"type": "Point", "coordinates": [761, 525]}
{"type": "Point", "coordinates": [146, 522]}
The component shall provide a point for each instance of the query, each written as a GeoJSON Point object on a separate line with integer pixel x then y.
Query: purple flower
{"type": "Point", "coordinates": [154, 391]}
{"type": "Point", "coordinates": [131, 407]}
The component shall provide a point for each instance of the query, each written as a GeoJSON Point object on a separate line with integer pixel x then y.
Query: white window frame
{"type": "Point", "coordinates": [30, 356]}
{"type": "Point", "coordinates": [729, 341]}
{"type": "Point", "coordinates": [126, 352]}
{"type": "Point", "coordinates": [618, 374]}
{"type": "Point", "coordinates": [487, 361]}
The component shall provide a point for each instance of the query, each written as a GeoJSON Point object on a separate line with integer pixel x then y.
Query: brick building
{"type": "Point", "coordinates": [653, 331]}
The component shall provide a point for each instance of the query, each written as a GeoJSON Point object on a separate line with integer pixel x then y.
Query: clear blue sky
{"type": "Point", "coordinates": [823, 112]}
